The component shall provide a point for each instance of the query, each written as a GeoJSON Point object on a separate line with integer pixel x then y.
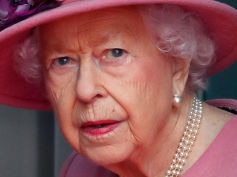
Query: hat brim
{"type": "Point", "coordinates": [220, 20]}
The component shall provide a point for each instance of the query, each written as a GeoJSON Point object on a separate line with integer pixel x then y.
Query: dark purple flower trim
{"type": "Point", "coordinates": [13, 11]}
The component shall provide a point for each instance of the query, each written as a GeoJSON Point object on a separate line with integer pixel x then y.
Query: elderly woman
{"type": "Point", "coordinates": [121, 77]}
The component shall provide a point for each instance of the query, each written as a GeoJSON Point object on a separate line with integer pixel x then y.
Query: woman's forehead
{"type": "Point", "coordinates": [98, 26]}
{"type": "Point", "coordinates": [108, 16]}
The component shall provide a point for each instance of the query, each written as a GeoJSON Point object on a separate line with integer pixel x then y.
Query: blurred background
{"type": "Point", "coordinates": [32, 146]}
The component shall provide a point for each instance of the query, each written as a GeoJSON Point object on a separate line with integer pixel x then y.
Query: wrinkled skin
{"type": "Point", "coordinates": [103, 67]}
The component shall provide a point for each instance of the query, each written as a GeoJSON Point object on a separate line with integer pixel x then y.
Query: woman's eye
{"type": "Point", "coordinates": [63, 64]}
{"type": "Point", "coordinates": [114, 55]}
{"type": "Point", "coordinates": [62, 61]}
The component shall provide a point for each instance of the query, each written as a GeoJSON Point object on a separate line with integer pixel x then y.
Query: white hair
{"type": "Point", "coordinates": [27, 60]}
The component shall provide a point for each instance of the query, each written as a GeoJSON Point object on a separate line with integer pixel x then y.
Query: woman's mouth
{"type": "Point", "coordinates": [97, 128]}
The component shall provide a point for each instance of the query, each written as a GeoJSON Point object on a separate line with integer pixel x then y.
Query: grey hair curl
{"type": "Point", "coordinates": [27, 60]}
{"type": "Point", "coordinates": [177, 33]}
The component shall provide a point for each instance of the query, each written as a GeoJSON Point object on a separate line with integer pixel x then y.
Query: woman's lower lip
{"type": "Point", "coordinates": [100, 127]}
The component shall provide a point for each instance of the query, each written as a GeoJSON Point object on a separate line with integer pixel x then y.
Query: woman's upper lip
{"type": "Point", "coordinates": [98, 123]}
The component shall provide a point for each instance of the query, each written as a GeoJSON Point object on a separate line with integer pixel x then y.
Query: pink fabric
{"type": "Point", "coordinates": [77, 166]}
{"type": "Point", "coordinates": [220, 159]}
{"type": "Point", "coordinates": [227, 103]}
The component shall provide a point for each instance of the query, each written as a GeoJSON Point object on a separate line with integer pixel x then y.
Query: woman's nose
{"type": "Point", "coordinates": [89, 83]}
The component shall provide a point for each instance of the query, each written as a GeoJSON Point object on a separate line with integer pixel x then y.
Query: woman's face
{"type": "Point", "coordinates": [109, 86]}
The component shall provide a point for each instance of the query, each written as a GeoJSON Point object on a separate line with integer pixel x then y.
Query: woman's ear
{"type": "Point", "coordinates": [180, 75]}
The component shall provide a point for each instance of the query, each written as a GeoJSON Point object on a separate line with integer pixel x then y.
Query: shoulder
{"type": "Point", "coordinates": [223, 122]}
{"type": "Point", "coordinates": [220, 157]}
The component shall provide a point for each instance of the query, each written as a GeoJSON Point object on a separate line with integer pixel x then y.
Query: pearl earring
{"type": "Point", "coordinates": [177, 98]}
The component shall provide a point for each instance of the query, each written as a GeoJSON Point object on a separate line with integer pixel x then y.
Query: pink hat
{"type": "Point", "coordinates": [219, 19]}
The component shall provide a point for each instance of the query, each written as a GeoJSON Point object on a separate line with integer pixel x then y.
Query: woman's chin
{"type": "Point", "coordinates": [108, 154]}
{"type": "Point", "coordinates": [106, 145]}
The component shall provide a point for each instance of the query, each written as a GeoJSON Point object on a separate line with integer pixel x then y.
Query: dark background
{"type": "Point", "coordinates": [32, 146]}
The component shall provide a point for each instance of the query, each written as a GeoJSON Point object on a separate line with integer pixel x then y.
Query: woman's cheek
{"type": "Point", "coordinates": [60, 92]}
